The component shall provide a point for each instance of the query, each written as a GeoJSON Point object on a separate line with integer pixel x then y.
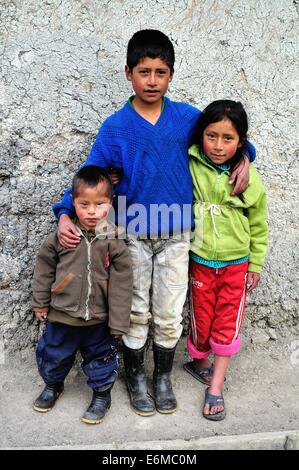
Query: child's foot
{"type": "Point", "coordinates": [98, 407]}
{"type": "Point", "coordinates": [214, 408]}
{"type": "Point", "coordinates": [202, 372]}
{"type": "Point", "coordinates": [47, 399]}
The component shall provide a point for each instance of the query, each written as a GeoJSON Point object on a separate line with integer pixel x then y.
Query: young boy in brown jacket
{"type": "Point", "coordinates": [85, 294]}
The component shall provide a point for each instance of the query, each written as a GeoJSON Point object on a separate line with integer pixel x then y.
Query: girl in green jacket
{"type": "Point", "coordinates": [228, 248]}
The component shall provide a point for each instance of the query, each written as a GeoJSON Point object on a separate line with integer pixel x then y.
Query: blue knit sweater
{"type": "Point", "coordinates": [155, 165]}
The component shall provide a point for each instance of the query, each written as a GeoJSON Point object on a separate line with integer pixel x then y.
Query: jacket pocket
{"type": "Point", "coordinates": [242, 228]}
{"type": "Point", "coordinates": [234, 232]}
{"type": "Point", "coordinates": [66, 293]}
{"type": "Point", "coordinates": [99, 302]}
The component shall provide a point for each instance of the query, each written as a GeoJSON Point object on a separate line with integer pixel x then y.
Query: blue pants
{"type": "Point", "coordinates": [56, 353]}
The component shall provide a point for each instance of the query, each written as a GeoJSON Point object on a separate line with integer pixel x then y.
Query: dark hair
{"type": "Point", "coordinates": [150, 43]}
{"type": "Point", "coordinates": [91, 176]}
{"type": "Point", "coordinates": [215, 112]}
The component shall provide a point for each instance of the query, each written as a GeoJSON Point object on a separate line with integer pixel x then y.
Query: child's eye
{"type": "Point", "coordinates": [211, 136]}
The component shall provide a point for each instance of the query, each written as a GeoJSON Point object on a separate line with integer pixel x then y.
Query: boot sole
{"type": "Point", "coordinates": [166, 412]}
{"type": "Point", "coordinates": [143, 413]}
{"type": "Point", "coordinates": [41, 410]}
{"type": "Point", "coordinates": [90, 421]}
{"type": "Point", "coordinates": [45, 410]}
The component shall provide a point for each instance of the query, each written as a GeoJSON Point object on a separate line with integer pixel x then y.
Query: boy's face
{"type": "Point", "coordinates": [150, 79]}
{"type": "Point", "coordinates": [92, 205]}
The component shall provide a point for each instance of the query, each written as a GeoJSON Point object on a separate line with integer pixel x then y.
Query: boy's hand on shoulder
{"type": "Point", "coordinates": [240, 177]}
{"type": "Point", "coordinates": [41, 314]}
{"type": "Point", "coordinates": [252, 281]}
{"type": "Point", "coordinates": [67, 234]}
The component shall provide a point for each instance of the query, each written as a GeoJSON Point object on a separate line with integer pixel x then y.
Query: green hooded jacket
{"type": "Point", "coordinates": [226, 227]}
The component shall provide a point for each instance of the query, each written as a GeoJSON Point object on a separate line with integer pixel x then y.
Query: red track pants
{"type": "Point", "coordinates": [218, 298]}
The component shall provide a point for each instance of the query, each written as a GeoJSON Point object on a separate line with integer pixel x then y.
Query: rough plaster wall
{"type": "Point", "coordinates": [62, 74]}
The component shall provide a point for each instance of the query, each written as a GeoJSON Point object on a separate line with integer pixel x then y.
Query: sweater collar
{"type": "Point", "coordinates": [130, 101]}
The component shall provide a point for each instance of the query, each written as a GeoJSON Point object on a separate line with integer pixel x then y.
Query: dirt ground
{"type": "Point", "coordinates": [261, 395]}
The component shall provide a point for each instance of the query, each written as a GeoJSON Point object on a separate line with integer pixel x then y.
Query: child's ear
{"type": "Point", "coordinates": [128, 73]}
{"type": "Point", "coordinates": [241, 143]}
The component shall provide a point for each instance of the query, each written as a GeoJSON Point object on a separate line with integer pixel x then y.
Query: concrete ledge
{"type": "Point", "coordinates": [287, 440]}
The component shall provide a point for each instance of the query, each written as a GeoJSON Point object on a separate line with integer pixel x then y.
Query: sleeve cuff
{"type": "Point", "coordinates": [40, 309]}
{"type": "Point", "coordinates": [255, 268]}
{"type": "Point", "coordinates": [250, 151]}
{"type": "Point", "coordinates": [65, 211]}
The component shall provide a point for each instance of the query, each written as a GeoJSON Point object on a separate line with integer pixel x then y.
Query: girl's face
{"type": "Point", "coordinates": [220, 141]}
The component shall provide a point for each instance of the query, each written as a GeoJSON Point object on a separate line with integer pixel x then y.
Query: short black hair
{"type": "Point", "coordinates": [91, 176]}
{"type": "Point", "coordinates": [217, 111]}
{"type": "Point", "coordinates": [150, 43]}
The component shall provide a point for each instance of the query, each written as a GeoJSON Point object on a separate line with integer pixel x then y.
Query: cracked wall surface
{"type": "Point", "coordinates": [62, 74]}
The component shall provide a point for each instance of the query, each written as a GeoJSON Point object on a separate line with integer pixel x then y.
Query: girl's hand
{"type": "Point", "coordinates": [252, 281]}
{"type": "Point", "coordinates": [41, 313]}
{"type": "Point", "coordinates": [240, 176]}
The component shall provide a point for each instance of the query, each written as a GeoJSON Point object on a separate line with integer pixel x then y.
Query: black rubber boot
{"type": "Point", "coordinates": [164, 396]}
{"type": "Point", "coordinates": [140, 399]}
{"type": "Point", "coordinates": [48, 397]}
{"type": "Point", "coordinates": [99, 405]}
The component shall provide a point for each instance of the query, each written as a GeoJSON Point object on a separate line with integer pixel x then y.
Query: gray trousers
{"type": "Point", "coordinates": [160, 267]}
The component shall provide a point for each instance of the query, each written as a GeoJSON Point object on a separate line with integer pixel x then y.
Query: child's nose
{"type": "Point", "coordinates": [152, 78]}
{"type": "Point", "coordinates": [219, 143]}
{"type": "Point", "coordinates": [91, 209]}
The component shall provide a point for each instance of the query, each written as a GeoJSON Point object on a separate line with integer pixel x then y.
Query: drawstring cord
{"type": "Point", "coordinates": [214, 210]}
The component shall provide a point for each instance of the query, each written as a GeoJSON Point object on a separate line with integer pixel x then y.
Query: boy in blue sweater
{"type": "Point", "coordinates": [147, 142]}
